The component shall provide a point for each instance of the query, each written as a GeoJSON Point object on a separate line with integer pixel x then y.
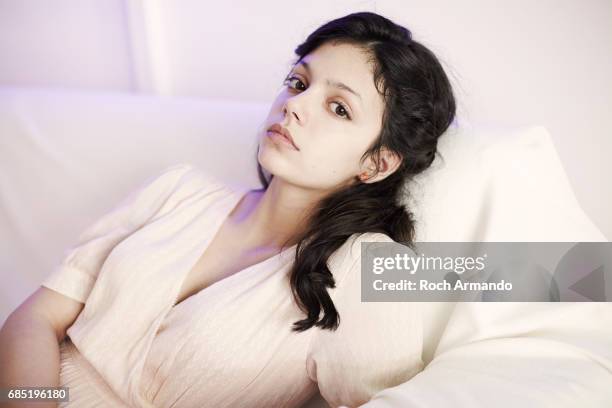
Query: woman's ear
{"type": "Point", "coordinates": [387, 163]}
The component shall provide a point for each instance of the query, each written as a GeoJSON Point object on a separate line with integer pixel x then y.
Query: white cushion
{"type": "Point", "coordinates": [497, 184]}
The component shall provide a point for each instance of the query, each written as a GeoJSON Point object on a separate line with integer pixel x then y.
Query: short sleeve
{"type": "Point", "coordinates": [377, 344]}
{"type": "Point", "coordinates": [77, 272]}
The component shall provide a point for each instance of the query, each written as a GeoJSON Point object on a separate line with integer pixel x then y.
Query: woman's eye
{"type": "Point", "coordinates": [288, 80]}
{"type": "Point", "coordinates": [343, 111]}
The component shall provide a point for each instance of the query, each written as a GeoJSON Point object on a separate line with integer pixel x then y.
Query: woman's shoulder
{"type": "Point", "coordinates": [187, 178]}
{"type": "Point", "coordinates": [176, 184]}
{"type": "Point", "coordinates": [356, 240]}
{"type": "Point", "coordinates": [352, 246]}
{"type": "Point", "coordinates": [192, 174]}
{"type": "Point", "coordinates": [372, 237]}
{"type": "Point", "coordinates": [348, 256]}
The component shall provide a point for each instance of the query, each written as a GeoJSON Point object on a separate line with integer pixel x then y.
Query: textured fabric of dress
{"type": "Point", "coordinates": [231, 344]}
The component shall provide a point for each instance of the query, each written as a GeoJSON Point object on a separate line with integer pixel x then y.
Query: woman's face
{"type": "Point", "coordinates": [331, 126]}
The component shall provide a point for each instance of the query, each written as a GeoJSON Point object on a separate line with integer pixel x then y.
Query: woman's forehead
{"type": "Point", "coordinates": [343, 59]}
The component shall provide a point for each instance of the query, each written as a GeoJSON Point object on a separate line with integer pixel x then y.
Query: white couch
{"type": "Point", "coordinates": [66, 157]}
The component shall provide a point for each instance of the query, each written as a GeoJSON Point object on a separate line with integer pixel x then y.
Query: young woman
{"type": "Point", "coordinates": [194, 294]}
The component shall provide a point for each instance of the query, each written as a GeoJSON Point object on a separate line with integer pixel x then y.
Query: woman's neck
{"type": "Point", "coordinates": [273, 217]}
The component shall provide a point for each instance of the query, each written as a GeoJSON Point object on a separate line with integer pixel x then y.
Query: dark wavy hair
{"type": "Point", "coordinates": [419, 107]}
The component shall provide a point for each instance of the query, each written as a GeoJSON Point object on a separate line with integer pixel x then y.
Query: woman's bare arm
{"type": "Point", "coordinates": [29, 342]}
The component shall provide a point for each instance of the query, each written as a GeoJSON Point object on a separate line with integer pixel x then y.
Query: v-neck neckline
{"type": "Point", "coordinates": [236, 195]}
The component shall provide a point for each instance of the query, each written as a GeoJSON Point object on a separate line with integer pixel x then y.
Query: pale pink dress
{"type": "Point", "coordinates": [231, 344]}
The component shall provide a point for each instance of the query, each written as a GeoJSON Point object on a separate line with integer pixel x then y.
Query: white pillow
{"type": "Point", "coordinates": [497, 184]}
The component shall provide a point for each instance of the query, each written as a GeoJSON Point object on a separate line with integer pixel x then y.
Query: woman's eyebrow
{"type": "Point", "coordinates": [330, 82]}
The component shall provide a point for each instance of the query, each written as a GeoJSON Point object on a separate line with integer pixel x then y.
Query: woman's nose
{"type": "Point", "coordinates": [294, 107]}
{"type": "Point", "coordinates": [289, 111]}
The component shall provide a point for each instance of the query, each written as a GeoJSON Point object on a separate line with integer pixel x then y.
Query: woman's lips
{"type": "Point", "coordinates": [278, 137]}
